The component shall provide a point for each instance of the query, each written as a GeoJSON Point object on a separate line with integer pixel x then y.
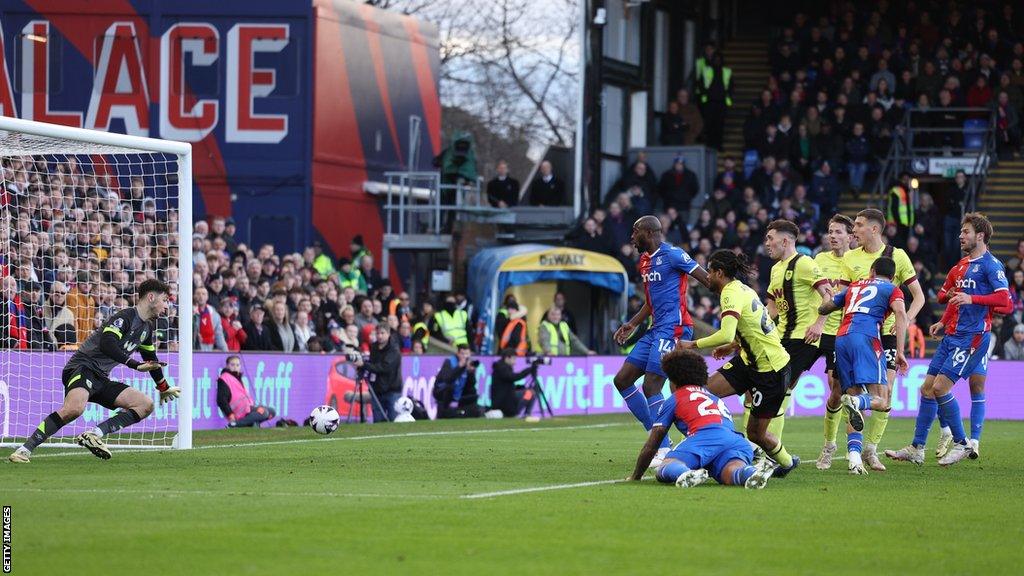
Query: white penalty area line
{"type": "Point", "coordinates": [357, 438]}
{"type": "Point", "coordinates": [537, 489]}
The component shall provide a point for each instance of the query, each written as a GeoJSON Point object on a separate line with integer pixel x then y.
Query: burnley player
{"type": "Point", "coordinates": [860, 363]}
{"type": "Point", "coordinates": [712, 444]}
{"type": "Point", "coordinates": [840, 234]}
{"type": "Point", "coordinates": [663, 268]}
{"type": "Point", "coordinates": [974, 288]}
{"type": "Point", "coordinates": [867, 228]}
{"type": "Point", "coordinates": [86, 376]}
{"type": "Point", "coordinates": [761, 366]}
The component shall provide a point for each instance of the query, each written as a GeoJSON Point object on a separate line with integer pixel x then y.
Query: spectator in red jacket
{"type": "Point", "coordinates": [234, 334]}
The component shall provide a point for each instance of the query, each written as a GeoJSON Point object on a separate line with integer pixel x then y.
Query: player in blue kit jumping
{"type": "Point", "coordinates": [664, 269]}
{"type": "Point", "coordinates": [974, 289]}
{"type": "Point", "coordinates": [860, 362]}
{"type": "Point", "coordinates": [712, 446]}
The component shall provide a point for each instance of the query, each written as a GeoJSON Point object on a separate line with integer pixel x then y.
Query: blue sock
{"type": "Point", "coordinates": [855, 442]}
{"type": "Point", "coordinates": [864, 402]}
{"type": "Point", "coordinates": [671, 471]}
{"type": "Point", "coordinates": [925, 416]}
{"type": "Point", "coordinates": [653, 408]}
{"type": "Point", "coordinates": [949, 409]}
{"type": "Point", "coordinates": [637, 404]}
{"type": "Point", "coordinates": [977, 415]}
{"type": "Point", "coordinates": [740, 475]}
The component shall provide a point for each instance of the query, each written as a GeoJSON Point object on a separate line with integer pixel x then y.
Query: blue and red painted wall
{"type": "Point", "coordinates": [289, 106]}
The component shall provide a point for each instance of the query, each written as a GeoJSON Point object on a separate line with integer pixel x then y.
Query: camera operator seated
{"type": "Point", "coordinates": [505, 394]}
{"type": "Point", "coordinates": [385, 365]}
{"type": "Point", "coordinates": [234, 400]}
{"type": "Point", "coordinates": [455, 386]}
{"type": "Point", "coordinates": [556, 339]}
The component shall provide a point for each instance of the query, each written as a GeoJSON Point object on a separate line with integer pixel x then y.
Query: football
{"type": "Point", "coordinates": [324, 419]}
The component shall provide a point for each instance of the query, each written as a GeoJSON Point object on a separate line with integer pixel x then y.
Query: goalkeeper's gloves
{"type": "Point", "coordinates": [167, 392]}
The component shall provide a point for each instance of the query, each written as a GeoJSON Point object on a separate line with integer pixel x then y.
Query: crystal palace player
{"type": "Point", "coordinates": [712, 444]}
{"type": "Point", "coordinates": [663, 268]}
{"type": "Point", "coordinates": [860, 363]}
{"type": "Point", "coordinates": [974, 289]}
{"type": "Point", "coordinates": [86, 376]}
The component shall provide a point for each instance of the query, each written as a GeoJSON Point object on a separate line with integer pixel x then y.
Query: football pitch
{"type": "Point", "coordinates": [502, 497]}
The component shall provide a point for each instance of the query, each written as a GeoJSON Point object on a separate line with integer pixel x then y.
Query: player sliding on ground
{"type": "Point", "coordinates": [974, 289]}
{"type": "Point", "coordinates": [86, 376]}
{"type": "Point", "coordinates": [762, 365]}
{"type": "Point", "coordinates": [663, 268]}
{"type": "Point", "coordinates": [868, 228]}
{"type": "Point", "coordinates": [860, 363]}
{"type": "Point", "coordinates": [712, 444]}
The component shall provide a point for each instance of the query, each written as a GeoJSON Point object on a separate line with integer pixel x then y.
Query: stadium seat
{"type": "Point", "coordinates": [750, 162]}
{"type": "Point", "coordinates": [974, 134]}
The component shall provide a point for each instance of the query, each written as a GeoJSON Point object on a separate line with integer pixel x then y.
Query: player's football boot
{"type": "Point", "coordinates": [781, 472]}
{"type": "Point", "coordinates": [20, 456]}
{"type": "Point", "coordinates": [659, 457]}
{"type": "Point", "coordinates": [94, 443]}
{"type": "Point", "coordinates": [907, 454]}
{"type": "Point", "coordinates": [974, 449]}
{"type": "Point", "coordinates": [957, 453]}
{"type": "Point", "coordinates": [855, 464]}
{"type": "Point", "coordinates": [872, 460]}
{"type": "Point", "coordinates": [825, 459]}
{"type": "Point", "coordinates": [759, 479]}
{"type": "Point", "coordinates": [945, 441]}
{"type": "Point", "coordinates": [853, 411]}
{"type": "Point", "coordinates": [692, 478]}
{"type": "Point", "coordinates": [759, 454]}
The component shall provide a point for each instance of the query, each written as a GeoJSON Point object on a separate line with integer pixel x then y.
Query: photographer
{"type": "Point", "coordinates": [385, 364]}
{"type": "Point", "coordinates": [455, 386]}
{"type": "Point", "coordinates": [505, 395]}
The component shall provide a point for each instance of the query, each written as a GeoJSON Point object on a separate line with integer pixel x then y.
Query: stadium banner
{"type": "Point", "coordinates": [294, 384]}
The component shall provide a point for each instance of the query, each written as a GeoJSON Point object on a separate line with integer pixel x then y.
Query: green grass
{"type": "Point", "coordinates": [394, 503]}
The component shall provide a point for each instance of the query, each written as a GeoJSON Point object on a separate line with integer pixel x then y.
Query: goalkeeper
{"type": "Point", "coordinates": [86, 376]}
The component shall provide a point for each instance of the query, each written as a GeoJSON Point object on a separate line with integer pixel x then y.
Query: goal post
{"type": "Point", "coordinates": [87, 216]}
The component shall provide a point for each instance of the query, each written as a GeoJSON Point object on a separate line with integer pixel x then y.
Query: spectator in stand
{"type": "Point", "coordinates": [282, 334]}
{"type": "Point", "coordinates": [673, 126]}
{"type": "Point", "coordinates": [825, 189]}
{"type": "Point", "coordinates": [547, 189]}
{"type": "Point", "coordinates": [350, 276]}
{"type": "Point", "coordinates": [555, 338]}
{"type": "Point", "coordinates": [753, 127]}
{"type": "Point", "coordinates": [503, 190]}
{"type": "Point", "coordinates": [1007, 126]}
{"type": "Point", "coordinates": [1013, 349]}
{"type": "Point", "coordinates": [716, 99]}
{"type": "Point", "coordinates": [257, 330]}
{"type": "Point", "coordinates": [357, 248]}
{"type": "Point", "coordinates": [370, 274]}
{"type": "Point", "coordinates": [58, 316]}
{"type": "Point", "coordinates": [954, 209]}
{"type": "Point", "coordinates": [234, 400]}
{"type": "Point", "coordinates": [567, 316]}
{"type": "Point", "coordinates": [858, 152]}
{"type": "Point", "coordinates": [678, 186]}
{"type": "Point", "coordinates": [828, 147]}
{"type": "Point", "coordinates": [1015, 261]}
{"type": "Point", "coordinates": [718, 205]}
{"type": "Point", "coordinates": [592, 239]}
{"type": "Point", "coordinates": [618, 226]}
{"type": "Point", "coordinates": [206, 324]}
{"type": "Point", "coordinates": [365, 317]}
{"type": "Point", "coordinates": [83, 306]}
{"type": "Point", "coordinates": [234, 334]}
{"type": "Point", "coordinates": [979, 95]}
{"type": "Point", "coordinates": [693, 122]}
{"type": "Point", "coordinates": [304, 332]}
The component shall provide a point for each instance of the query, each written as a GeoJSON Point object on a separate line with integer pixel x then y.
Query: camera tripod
{"type": "Point", "coordinates": [533, 383]}
{"type": "Point", "coordinates": [362, 381]}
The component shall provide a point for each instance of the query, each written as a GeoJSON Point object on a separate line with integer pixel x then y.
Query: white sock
{"type": "Point", "coordinates": [854, 458]}
{"type": "Point", "coordinates": [96, 430]}
{"type": "Point", "coordinates": [946, 431]}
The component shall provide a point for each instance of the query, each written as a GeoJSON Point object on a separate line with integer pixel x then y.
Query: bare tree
{"type": "Point", "coordinates": [510, 63]}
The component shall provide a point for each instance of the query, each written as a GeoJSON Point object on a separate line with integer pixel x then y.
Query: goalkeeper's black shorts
{"type": "Point", "coordinates": [102, 390]}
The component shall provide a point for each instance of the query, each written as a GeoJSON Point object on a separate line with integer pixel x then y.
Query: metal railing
{"type": "Point", "coordinates": [910, 145]}
{"type": "Point", "coordinates": [421, 203]}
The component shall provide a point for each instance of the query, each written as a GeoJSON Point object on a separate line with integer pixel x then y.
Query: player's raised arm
{"type": "Point", "coordinates": [658, 432]}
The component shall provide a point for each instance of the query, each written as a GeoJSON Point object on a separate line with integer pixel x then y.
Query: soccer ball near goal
{"type": "Point", "coordinates": [324, 419]}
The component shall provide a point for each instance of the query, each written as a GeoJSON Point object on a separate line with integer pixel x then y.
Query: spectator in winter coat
{"type": "Point", "coordinates": [825, 189]}
{"type": "Point", "coordinates": [282, 334]}
{"type": "Point", "coordinates": [858, 155]}
{"type": "Point", "coordinates": [234, 335]}
{"type": "Point", "coordinates": [256, 330]}
{"type": "Point", "coordinates": [678, 186]}
{"type": "Point", "coordinates": [547, 189]}
{"type": "Point", "coordinates": [503, 190]}
{"type": "Point", "coordinates": [1013, 349]}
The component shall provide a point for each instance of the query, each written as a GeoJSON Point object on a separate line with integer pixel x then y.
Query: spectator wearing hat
{"type": "Point", "coordinates": [350, 276]}
{"type": "Point", "coordinates": [256, 330]}
{"type": "Point", "coordinates": [678, 186]}
{"type": "Point", "coordinates": [357, 248]}
{"type": "Point", "coordinates": [1013, 349]}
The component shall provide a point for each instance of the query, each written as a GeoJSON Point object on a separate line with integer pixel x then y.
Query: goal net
{"type": "Point", "coordinates": [86, 217]}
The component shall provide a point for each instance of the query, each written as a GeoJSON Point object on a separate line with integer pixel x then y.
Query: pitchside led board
{"type": "Point", "coordinates": [290, 106]}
